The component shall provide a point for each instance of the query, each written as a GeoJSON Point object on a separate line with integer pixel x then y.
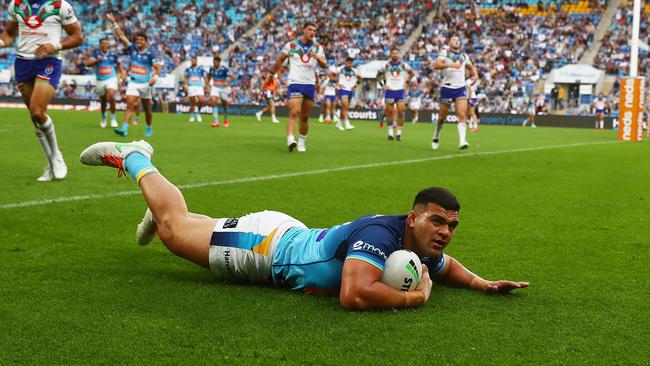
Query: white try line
{"type": "Point", "coordinates": [297, 174]}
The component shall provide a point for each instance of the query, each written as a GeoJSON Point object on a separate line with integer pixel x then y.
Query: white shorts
{"type": "Point", "coordinates": [415, 105]}
{"type": "Point", "coordinates": [142, 90]}
{"type": "Point", "coordinates": [242, 248]}
{"type": "Point", "coordinates": [104, 85]}
{"type": "Point", "coordinates": [221, 92]}
{"type": "Point", "coordinates": [195, 91]}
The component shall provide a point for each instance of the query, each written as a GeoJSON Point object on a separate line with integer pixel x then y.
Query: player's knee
{"type": "Point", "coordinates": [37, 114]}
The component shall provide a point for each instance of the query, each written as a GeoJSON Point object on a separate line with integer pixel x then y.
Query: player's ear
{"type": "Point", "coordinates": [410, 218]}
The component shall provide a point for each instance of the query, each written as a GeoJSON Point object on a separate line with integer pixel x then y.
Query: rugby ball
{"type": "Point", "coordinates": [402, 270]}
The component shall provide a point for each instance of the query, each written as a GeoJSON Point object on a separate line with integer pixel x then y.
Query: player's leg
{"type": "Point", "coordinates": [110, 97]}
{"type": "Point", "coordinates": [295, 108]}
{"type": "Point", "coordinates": [346, 119]}
{"type": "Point", "coordinates": [389, 113]}
{"type": "Point", "coordinates": [401, 109]}
{"type": "Point", "coordinates": [461, 113]}
{"type": "Point", "coordinates": [214, 103]}
{"type": "Point", "coordinates": [131, 101]}
{"type": "Point", "coordinates": [26, 90]}
{"type": "Point", "coordinates": [41, 95]}
{"type": "Point", "coordinates": [192, 107]}
{"type": "Point", "coordinates": [138, 108]}
{"type": "Point", "coordinates": [183, 234]}
{"type": "Point", "coordinates": [102, 104]}
{"type": "Point", "coordinates": [442, 118]}
{"type": "Point", "coordinates": [146, 103]}
{"type": "Point", "coordinates": [343, 102]}
{"type": "Point", "coordinates": [224, 103]}
{"type": "Point", "coordinates": [305, 112]}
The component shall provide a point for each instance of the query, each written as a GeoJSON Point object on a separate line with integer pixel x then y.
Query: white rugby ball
{"type": "Point", "coordinates": [402, 270]}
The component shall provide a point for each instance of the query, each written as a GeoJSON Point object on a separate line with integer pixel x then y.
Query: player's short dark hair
{"type": "Point", "coordinates": [307, 24]}
{"type": "Point", "coordinates": [349, 59]}
{"type": "Point", "coordinates": [394, 49]}
{"type": "Point", "coordinates": [439, 196]}
{"type": "Point", "coordinates": [216, 58]}
{"type": "Point", "coordinates": [143, 35]}
{"type": "Point", "coordinates": [104, 39]}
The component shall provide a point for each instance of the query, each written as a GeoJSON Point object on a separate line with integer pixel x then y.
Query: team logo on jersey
{"type": "Point", "coordinates": [305, 55]}
{"type": "Point", "coordinates": [49, 69]}
{"type": "Point", "coordinates": [44, 11]}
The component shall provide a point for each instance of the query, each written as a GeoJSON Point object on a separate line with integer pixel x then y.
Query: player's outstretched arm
{"type": "Point", "coordinates": [278, 64]}
{"type": "Point", "coordinates": [361, 289]}
{"type": "Point", "coordinates": [455, 274]}
{"type": "Point", "coordinates": [8, 36]}
{"type": "Point", "coordinates": [118, 31]}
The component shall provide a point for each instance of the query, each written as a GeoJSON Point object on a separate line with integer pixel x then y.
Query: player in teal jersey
{"type": "Point", "coordinates": [275, 249]}
{"type": "Point", "coordinates": [107, 67]}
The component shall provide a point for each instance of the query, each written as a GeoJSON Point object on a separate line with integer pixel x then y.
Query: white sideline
{"type": "Point", "coordinates": [297, 174]}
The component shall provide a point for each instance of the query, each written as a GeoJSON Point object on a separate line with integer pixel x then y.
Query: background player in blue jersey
{"type": "Point", "coordinates": [38, 65]}
{"type": "Point", "coordinates": [274, 248]}
{"type": "Point", "coordinates": [107, 67]}
{"type": "Point", "coordinates": [195, 84]}
{"type": "Point", "coordinates": [220, 90]}
{"type": "Point", "coordinates": [143, 74]}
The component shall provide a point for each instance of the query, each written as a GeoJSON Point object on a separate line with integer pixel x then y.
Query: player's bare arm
{"type": "Point", "coordinates": [155, 74]}
{"type": "Point", "coordinates": [9, 34]}
{"type": "Point", "coordinates": [118, 31]}
{"type": "Point", "coordinates": [75, 39]}
{"type": "Point", "coordinates": [277, 65]}
{"type": "Point", "coordinates": [455, 274]}
{"type": "Point", "coordinates": [440, 64]}
{"type": "Point", "coordinates": [362, 289]}
{"type": "Point", "coordinates": [472, 72]}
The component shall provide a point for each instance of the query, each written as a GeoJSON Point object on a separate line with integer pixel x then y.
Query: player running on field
{"type": "Point", "coordinates": [220, 91]}
{"type": "Point", "coordinates": [37, 27]}
{"type": "Point", "coordinates": [195, 77]}
{"type": "Point", "coordinates": [348, 79]}
{"type": "Point", "coordinates": [107, 67]}
{"type": "Point", "coordinates": [396, 74]}
{"type": "Point", "coordinates": [276, 249]}
{"type": "Point", "coordinates": [304, 55]}
{"type": "Point", "coordinates": [269, 87]}
{"type": "Point", "coordinates": [143, 74]}
{"type": "Point", "coordinates": [453, 63]}
{"type": "Point", "coordinates": [328, 86]}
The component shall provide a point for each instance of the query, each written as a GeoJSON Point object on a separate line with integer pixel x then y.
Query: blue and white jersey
{"type": "Point", "coordinates": [312, 259]}
{"type": "Point", "coordinates": [141, 64]}
{"type": "Point", "coordinates": [195, 76]}
{"type": "Point", "coordinates": [106, 68]}
{"type": "Point", "coordinates": [219, 76]}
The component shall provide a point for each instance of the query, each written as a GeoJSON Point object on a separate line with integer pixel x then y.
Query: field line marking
{"type": "Point", "coordinates": [44, 202]}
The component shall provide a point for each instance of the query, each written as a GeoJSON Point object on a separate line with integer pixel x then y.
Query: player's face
{"type": "Point", "coordinates": [140, 42]}
{"type": "Point", "coordinates": [433, 228]}
{"type": "Point", "coordinates": [103, 46]}
{"type": "Point", "coordinates": [394, 55]}
{"type": "Point", "coordinates": [194, 62]}
{"type": "Point", "coordinates": [310, 32]}
{"type": "Point", "coordinates": [454, 43]}
{"type": "Point", "coordinates": [348, 63]}
{"type": "Point", "coordinates": [216, 63]}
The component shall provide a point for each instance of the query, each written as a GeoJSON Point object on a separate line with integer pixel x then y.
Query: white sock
{"type": "Point", "coordinates": [113, 117]}
{"type": "Point", "coordinates": [291, 139]}
{"type": "Point", "coordinates": [602, 124]}
{"type": "Point", "coordinates": [44, 144]}
{"type": "Point", "coordinates": [320, 116]}
{"type": "Point", "coordinates": [302, 139]}
{"type": "Point", "coordinates": [399, 131]}
{"type": "Point", "coordinates": [462, 132]}
{"type": "Point", "coordinates": [273, 116]}
{"type": "Point", "coordinates": [390, 131]}
{"type": "Point", "coordinates": [50, 135]}
{"type": "Point", "coordinates": [347, 123]}
{"type": "Point", "coordinates": [103, 116]}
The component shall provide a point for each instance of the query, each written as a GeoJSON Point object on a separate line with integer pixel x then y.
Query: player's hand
{"type": "Point", "coordinates": [44, 49]}
{"type": "Point", "coordinates": [152, 82]}
{"type": "Point", "coordinates": [110, 18]}
{"type": "Point", "coordinates": [474, 79]}
{"type": "Point", "coordinates": [503, 287]}
{"type": "Point", "coordinates": [425, 283]}
{"type": "Point", "coordinates": [384, 87]}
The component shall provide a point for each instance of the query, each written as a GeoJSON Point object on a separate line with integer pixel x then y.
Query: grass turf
{"type": "Point", "coordinates": [75, 288]}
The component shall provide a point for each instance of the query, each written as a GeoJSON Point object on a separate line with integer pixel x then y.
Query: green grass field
{"type": "Point", "coordinates": [566, 209]}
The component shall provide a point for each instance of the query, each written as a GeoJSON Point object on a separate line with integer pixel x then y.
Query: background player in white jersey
{"type": "Point", "coordinates": [396, 74]}
{"type": "Point", "coordinates": [599, 105]}
{"type": "Point", "coordinates": [220, 90]}
{"type": "Point", "coordinates": [195, 82]}
{"type": "Point", "coordinates": [347, 81]}
{"type": "Point", "coordinates": [453, 65]}
{"type": "Point", "coordinates": [415, 100]}
{"type": "Point", "coordinates": [40, 26]}
{"type": "Point", "coordinates": [107, 68]}
{"type": "Point", "coordinates": [304, 55]}
{"type": "Point", "coordinates": [328, 86]}
{"type": "Point", "coordinates": [143, 74]}
{"type": "Point", "coordinates": [473, 118]}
